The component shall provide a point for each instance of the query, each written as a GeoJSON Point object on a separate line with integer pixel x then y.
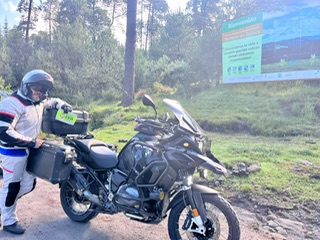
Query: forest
{"type": "Point", "coordinates": [173, 51]}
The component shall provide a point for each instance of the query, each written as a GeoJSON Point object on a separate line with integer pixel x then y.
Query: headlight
{"type": "Point", "coordinates": [147, 152]}
{"type": "Point", "coordinates": [137, 152]}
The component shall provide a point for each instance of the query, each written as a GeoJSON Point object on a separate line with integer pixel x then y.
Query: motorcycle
{"type": "Point", "coordinates": [151, 178]}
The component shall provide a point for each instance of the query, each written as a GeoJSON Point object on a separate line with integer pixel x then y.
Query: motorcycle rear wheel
{"type": "Point", "coordinates": [222, 222]}
{"type": "Point", "coordinates": [77, 208]}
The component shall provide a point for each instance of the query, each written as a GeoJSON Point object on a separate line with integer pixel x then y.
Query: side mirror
{"type": "Point", "coordinates": [147, 101]}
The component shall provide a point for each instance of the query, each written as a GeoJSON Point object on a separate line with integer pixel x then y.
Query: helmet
{"type": "Point", "coordinates": [37, 78]}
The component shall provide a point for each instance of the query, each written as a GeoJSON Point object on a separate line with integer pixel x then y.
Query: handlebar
{"type": "Point", "coordinates": [166, 125]}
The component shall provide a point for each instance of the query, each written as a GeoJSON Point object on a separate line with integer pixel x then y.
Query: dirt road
{"type": "Point", "coordinates": [41, 213]}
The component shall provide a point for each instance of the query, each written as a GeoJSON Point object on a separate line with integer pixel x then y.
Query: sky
{"type": "Point", "coordinates": [8, 8]}
{"type": "Point", "coordinates": [174, 5]}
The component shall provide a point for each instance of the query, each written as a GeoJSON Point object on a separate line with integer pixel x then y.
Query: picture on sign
{"type": "Point", "coordinates": [273, 46]}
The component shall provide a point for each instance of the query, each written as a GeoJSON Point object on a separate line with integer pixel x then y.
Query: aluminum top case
{"type": "Point", "coordinates": [51, 162]}
{"type": "Point", "coordinates": [51, 125]}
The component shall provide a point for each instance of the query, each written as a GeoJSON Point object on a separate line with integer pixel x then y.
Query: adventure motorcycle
{"type": "Point", "coordinates": [150, 178]}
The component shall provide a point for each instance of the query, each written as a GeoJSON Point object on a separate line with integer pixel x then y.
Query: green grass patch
{"type": "Point", "coordinates": [116, 134]}
{"type": "Point", "coordinates": [286, 164]}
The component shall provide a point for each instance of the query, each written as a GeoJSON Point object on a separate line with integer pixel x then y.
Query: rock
{"type": "Point", "coordinates": [271, 217]}
{"type": "Point", "coordinates": [306, 163]}
{"type": "Point", "coordinates": [310, 236]}
{"type": "Point", "coordinates": [291, 225]}
{"type": "Point", "coordinates": [242, 166]}
{"type": "Point", "coordinates": [295, 227]}
{"type": "Point", "coordinates": [307, 210]}
{"type": "Point", "coordinates": [282, 214]}
{"type": "Point", "coordinates": [277, 236]}
{"type": "Point", "coordinates": [262, 219]}
{"type": "Point", "coordinates": [268, 229]}
{"type": "Point", "coordinates": [281, 231]}
{"type": "Point", "coordinates": [241, 169]}
{"type": "Point", "coordinates": [254, 168]}
{"type": "Point", "coordinates": [217, 182]}
{"type": "Point", "coordinates": [273, 224]}
{"type": "Point", "coordinates": [246, 216]}
{"type": "Point", "coordinates": [284, 226]}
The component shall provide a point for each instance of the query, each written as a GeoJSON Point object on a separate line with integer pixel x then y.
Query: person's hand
{"type": "Point", "coordinates": [38, 143]}
{"type": "Point", "coordinates": [59, 104]}
{"type": "Point", "coordinates": [66, 108]}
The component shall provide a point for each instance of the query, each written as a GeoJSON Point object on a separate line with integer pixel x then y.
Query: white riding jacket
{"type": "Point", "coordinates": [20, 120]}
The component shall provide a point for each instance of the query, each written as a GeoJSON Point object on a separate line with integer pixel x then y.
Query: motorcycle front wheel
{"type": "Point", "coordinates": [221, 223]}
{"type": "Point", "coordinates": [77, 207]}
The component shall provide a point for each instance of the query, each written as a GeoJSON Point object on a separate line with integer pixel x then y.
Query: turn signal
{"type": "Point", "coordinates": [161, 195]}
{"type": "Point", "coordinates": [195, 212]}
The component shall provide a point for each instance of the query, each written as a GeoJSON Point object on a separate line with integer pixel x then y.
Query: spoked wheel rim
{"type": "Point", "coordinates": [216, 225]}
{"type": "Point", "coordinates": [77, 204]}
{"type": "Point", "coordinates": [212, 230]}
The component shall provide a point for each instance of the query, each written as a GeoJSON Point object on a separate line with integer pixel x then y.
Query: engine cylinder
{"type": "Point", "coordinates": [128, 195]}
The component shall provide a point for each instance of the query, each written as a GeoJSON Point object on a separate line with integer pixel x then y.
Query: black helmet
{"type": "Point", "coordinates": [38, 78]}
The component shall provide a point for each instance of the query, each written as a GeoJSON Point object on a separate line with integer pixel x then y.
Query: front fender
{"type": "Point", "coordinates": [195, 188]}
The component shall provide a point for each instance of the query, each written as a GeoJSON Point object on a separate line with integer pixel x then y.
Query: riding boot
{"type": "Point", "coordinates": [14, 228]}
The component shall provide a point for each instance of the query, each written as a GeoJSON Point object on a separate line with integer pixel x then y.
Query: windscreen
{"type": "Point", "coordinates": [185, 120]}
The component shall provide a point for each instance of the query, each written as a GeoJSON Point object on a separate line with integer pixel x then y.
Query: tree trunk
{"type": "Point", "coordinates": [128, 81]}
{"type": "Point", "coordinates": [28, 21]}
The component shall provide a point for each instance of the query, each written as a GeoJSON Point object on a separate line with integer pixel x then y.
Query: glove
{"type": "Point", "coordinates": [59, 104]}
{"type": "Point", "coordinates": [66, 108]}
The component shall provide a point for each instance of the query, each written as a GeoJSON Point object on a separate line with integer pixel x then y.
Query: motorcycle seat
{"type": "Point", "coordinates": [99, 152]}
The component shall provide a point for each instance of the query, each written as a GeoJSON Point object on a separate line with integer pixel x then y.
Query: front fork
{"type": "Point", "coordinates": [195, 220]}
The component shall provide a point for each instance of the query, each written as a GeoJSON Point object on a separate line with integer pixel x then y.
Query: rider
{"type": "Point", "coordinates": [20, 122]}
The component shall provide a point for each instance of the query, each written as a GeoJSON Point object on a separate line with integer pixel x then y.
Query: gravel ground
{"type": "Point", "coordinates": [41, 213]}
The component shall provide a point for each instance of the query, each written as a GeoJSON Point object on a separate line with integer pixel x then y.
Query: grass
{"type": "Point", "coordinates": [286, 164]}
{"type": "Point", "coordinates": [116, 134]}
{"type": "Point", "coordinates": [274, 125]}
